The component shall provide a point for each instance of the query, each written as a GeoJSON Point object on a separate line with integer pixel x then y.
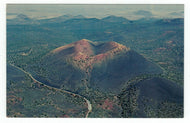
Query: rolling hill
{"type": "Point", "coordinates": [116, 19]}
{"type": "Point", "coordinates": [152, 97]}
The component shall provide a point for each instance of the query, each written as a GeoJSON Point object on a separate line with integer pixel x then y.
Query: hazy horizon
{"type": "Point", "coordinates": [131, 11]}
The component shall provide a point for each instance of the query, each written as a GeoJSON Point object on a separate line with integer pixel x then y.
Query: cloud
{"type": "Point", "coordinates": [143, 13]}
{"type": "Point", "coordinates": [12, 13]}
{"type": "Point", "coordinates": [177, 14]}
{"type": "Point", "coordinates": [31, 10]}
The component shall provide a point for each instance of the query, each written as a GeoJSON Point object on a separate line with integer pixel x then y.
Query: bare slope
{"type": "Point", "coordinates": [86, 64]}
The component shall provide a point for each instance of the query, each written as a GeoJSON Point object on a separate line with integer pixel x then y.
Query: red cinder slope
{"type": "Point", "coordinates": [85, 53]}
{"type": "Point", "coordinates": [84, 64]}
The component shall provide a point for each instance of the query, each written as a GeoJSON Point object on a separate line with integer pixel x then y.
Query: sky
{"type": "Point", "coordinates": [130, 11]}
{"type": "Point", "coordinates": [133, 11]}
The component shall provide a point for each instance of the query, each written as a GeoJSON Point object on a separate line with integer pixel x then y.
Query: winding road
{"type": "Point", "coordinates": [61, 90]}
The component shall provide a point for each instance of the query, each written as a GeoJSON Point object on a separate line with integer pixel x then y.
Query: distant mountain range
{"type": "Point", "coordinates": [60, 19]}
{"type": "Point", "coordinates": [144, 13]}
{"type": "Point", "coordinates": [116, 19]}
{"type": "Point", "coordinates": [22, 19]}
